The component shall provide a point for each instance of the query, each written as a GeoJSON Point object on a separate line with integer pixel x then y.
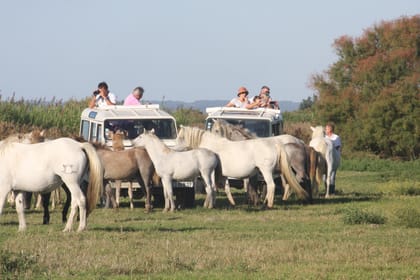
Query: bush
{"type": "Point", "coordinates": [354, 216]}
{"type": "Point", "coordinates": [408, 217]}
{"type": "Point", "coordinates": [411, 190]}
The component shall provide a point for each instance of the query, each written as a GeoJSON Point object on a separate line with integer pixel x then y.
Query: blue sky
{"type": "Point", "coordinates": [180, 50]}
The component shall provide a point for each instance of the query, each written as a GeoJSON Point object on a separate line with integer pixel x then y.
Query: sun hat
{"type": "Point", "coordinates": [242, 90]}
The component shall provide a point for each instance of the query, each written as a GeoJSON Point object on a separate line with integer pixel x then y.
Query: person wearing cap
{"type": "Point", "coordinates": [134, 97]}
{"type": "Point", "coordinates": [242, 101]}
{"type": "Point", "coordinates": [102, 96]}
{"type": "Point", "coordinates": [266, 100]}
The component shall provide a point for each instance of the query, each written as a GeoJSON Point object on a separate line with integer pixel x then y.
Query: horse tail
{"type": "Point", "coordinates": [313, 165]}
{"type": "Point", "coordinates": [284, 166]}
{"type": "Point", "coordinates": [95, 177]}
{"type": "Point", "coordinates": [219, 179]}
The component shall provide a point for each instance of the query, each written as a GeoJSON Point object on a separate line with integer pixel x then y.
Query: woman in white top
{"type": "Point", "coordinates": [242, 100]}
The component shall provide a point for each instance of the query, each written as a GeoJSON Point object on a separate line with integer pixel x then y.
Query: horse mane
{"type": "Point", "coordinates": [99, 146]}
{"type": "Point", "coordinates": [232, 132]}
{"type": "Point", "coordinates": [35, 136]}
{"type": "Point", "coordinates": [191, 135]}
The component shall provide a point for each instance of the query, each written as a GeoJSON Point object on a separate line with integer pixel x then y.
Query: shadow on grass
{"type": "Point", "coordinates": [138, 229]}
{"type": "Point", "coordinates": [347, 198]}
{"type": "Point", "coordinates": [292, 203]}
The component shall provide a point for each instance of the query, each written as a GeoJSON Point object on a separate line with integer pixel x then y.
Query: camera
{"type": "Point", "coordinates": [96, 92]}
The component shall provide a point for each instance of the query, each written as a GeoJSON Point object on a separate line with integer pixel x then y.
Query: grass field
{"type": "Point", "coordinates": [370, 230]}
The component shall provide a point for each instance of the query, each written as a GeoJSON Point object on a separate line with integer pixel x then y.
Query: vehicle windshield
{"type": "Point", "coordinates": [164, 128]}
{"type": "Point", "coordinates": [260, 127]}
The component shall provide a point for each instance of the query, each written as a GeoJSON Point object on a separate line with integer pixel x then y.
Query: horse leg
{"type": "Point", "coordinates": [38, 201]}
{"type": "Point", "coordinates": [109, 196]}
{"type": "Point", "coordinates": [27, 198]}
{"type": "Point", "coordinates": [78, 199]}
{"type": "Point", "coordinates": [20, 209]}
{"type": "Point", "coordinates": [117, 193]}
{"type": "Point", "coordinates": [54, 200]}
{"type": "Point", "coordinates": [45, 198]}
{"type": "Point", "coordinates": [3, 196]}
{"type": "Point", "coordinates": [252, 187]}
{"type": "Point", "coordinates": [208, 203]}
{"type": "Point", "coordinates": [229, 193]}
{"type": "Point", "coordinates": [66, 204]}
{"type": "Point", "coordinates": [286, 188]}
{"type": "Point", "coordinates": [144, 180]}
{"type": "Point", "coordinates": [11, 198]}
{"type": "Point", "coordinates": [332, 182]}
{"type": "Point", "coordinates": [168, 193]}
{"type": "Point", "coordinates": [328, 181]}
{"type": "Point", "coordinates": [271, 186]}
{"type": "Point", "coordinates": [130, 194]}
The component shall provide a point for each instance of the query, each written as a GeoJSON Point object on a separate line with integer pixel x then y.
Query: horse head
{"type": "Point", "coordinates": [318, 131]}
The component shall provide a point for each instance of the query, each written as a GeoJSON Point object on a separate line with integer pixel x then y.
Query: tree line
{"type": "Point", "coordinates": [372, 92]}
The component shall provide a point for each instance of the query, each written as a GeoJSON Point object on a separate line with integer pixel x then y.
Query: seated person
{"type": "Point", "coordinates": [102, 96]}
{"type": "Point", "coordinates": [241, 101]}
{"type": "Point", "coordinates": [266, 100]}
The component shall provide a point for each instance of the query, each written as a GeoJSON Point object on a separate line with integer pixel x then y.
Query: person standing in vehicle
{"type": "Point", "coordinates": [242, 101]}
{"type": "Point", "coordinates": [266, 100]}
{"type": "Point", "coordinates": [102, 96]}
{"type": "Point", "coordinates": [134, 97]}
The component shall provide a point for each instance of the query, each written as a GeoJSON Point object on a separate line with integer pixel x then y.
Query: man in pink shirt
{"type": "Point", "coordinates": [134, 97]}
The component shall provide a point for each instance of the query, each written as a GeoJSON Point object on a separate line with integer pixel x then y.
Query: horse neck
{"type": "Point", "coordinates": [118, 142]}
{"type": "Point", "coordinates": [155, 147]}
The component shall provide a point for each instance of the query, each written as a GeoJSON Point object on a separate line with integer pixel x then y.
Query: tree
{"type": "Point", "coordinates": [372, 92]}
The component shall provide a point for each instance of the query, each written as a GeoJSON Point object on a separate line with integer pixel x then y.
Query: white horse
{"type": "Point", "coordinates": [173, 165]}
{"type": "Point", "coordinates": [43, 167]}
{"type": "Point", "coordinates": [242, 159]}
{"type": "Point", "coordinates": [297, 151]}
{"type": "Point", "coordinates": [331, 156]}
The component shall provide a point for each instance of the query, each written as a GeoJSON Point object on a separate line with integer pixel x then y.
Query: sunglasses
{"type": "Point", "coordinates": [244, 92]}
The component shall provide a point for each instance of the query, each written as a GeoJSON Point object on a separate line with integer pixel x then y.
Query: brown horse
{"type": "Point", "coordinates": [128, 165]}
{"type": "Point", "coordinates": [118, 145]}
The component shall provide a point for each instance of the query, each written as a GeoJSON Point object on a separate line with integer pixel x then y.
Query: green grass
{"type": "Point", "coordinates": [292, 241]}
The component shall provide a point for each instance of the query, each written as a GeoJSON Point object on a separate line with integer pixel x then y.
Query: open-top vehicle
{"type": "Point", "coordinates": [96, 125]}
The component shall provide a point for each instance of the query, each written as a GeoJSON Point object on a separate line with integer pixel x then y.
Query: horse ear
{"type": "Point", "coordinates": [152, 131]}
{"type": "Point", "coordinates": [313, 128]}
{"type": "Point", "coordinates": [43, 133]}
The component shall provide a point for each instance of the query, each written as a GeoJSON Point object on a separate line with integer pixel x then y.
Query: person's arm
{"type": "Point", "coordinates": [253, 105]}
{"type": "Point", "coordinates": [92, 102]}
{"type": "Point", "coordinates": [110, 99]}
{"type": "Point", "coordinates": [231, 103]}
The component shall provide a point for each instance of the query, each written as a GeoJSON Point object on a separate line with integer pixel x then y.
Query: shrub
{"type": "Point", "coordinates": [411, 190]}
{"type": "Point", "coordinates": [408, 217]}
{"type": "Point", "coordinates": [354, 216]}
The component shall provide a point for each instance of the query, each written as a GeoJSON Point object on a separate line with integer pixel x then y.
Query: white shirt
{"type": "Point", "coordinates": [239, 104]}
{"type": "Point", "coordinates": [336, 141]}
{"type": "Point", "coordinates": [101, 102]}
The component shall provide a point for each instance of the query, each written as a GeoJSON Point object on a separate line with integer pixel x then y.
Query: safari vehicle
{"type": "Point", "coordinates": [263, 122]}
{"type": "Point", "coordinates": [97, 123]}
